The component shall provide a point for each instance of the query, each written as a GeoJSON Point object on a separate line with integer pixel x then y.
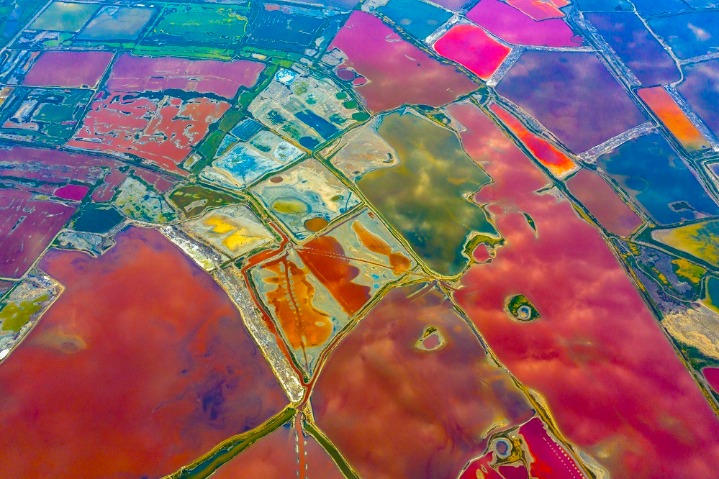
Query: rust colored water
{"type": "Point", "coordinates": [676, 121]}
{"type": "Point", "coordinates": [397, 406]}
{"type": "Point", "coordinates": [142, 365]}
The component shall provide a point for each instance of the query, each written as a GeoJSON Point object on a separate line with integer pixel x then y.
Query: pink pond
{"type": "Point", "coordinates": [712, 377]}
{"type": "Point", "coordinates": [572, 94]}
{"type": "Point", "coordinates": [610, 378]}
{"type": "Point", "coordinates": [549, 460]}
{"type": "Point", "coordinates": [392, 71]}
{"type": "Point", "coordinates": [131, 73]}
{"type": "Point", "coordinates": [540, 9]}
{"type": "Point", "coordinates": [27, 226]}
{"type": "Point", "coordinates": [471, 47]}
{"type": "Point", "coordinates": [603, 202]}
{"type": "Point", "coordinates": [72, 192]}
{"type": "Point", "coordinates": [68, 69]}
{"type": "Point", "coordinates": [514, 26]}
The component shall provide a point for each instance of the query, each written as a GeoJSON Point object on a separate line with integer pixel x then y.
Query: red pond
{"type": "Point", "coordinates": [141, 366]}
{"type": "Point", "coordinates": [597, 355]}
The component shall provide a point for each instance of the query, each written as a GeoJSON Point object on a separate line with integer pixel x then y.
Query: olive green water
{"type": "Point", "coordinates": [426, 196]}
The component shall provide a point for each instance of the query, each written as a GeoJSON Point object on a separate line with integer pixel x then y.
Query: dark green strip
{"type": "Point", "coordinates": [332, 451]}
{"type": "Point", "coordinates": [205, 466]}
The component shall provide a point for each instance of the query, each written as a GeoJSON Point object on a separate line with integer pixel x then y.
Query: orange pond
{"type": "Point", "coordinates": [141, 366]}
{"type": "Point", "coordinates": [610, 377]}
{"type": "Point", "coordinates": [554, 159]}
{"type": "Point", "coordinates": [676, 121]}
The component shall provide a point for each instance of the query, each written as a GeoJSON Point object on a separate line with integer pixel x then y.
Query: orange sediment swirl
{"type": "Point", "coordinates": [399, 262]}
{"type": "Point", "coordinates": [556, 161]}
{"type": "Point", "coordinates": [325, 257]}
{"type": "Point", "coordinates": [669, 113]}
{"type": "Point", "coordinates": [303, 324]}
{"type": "Point", "coordinates": [253, 261]}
